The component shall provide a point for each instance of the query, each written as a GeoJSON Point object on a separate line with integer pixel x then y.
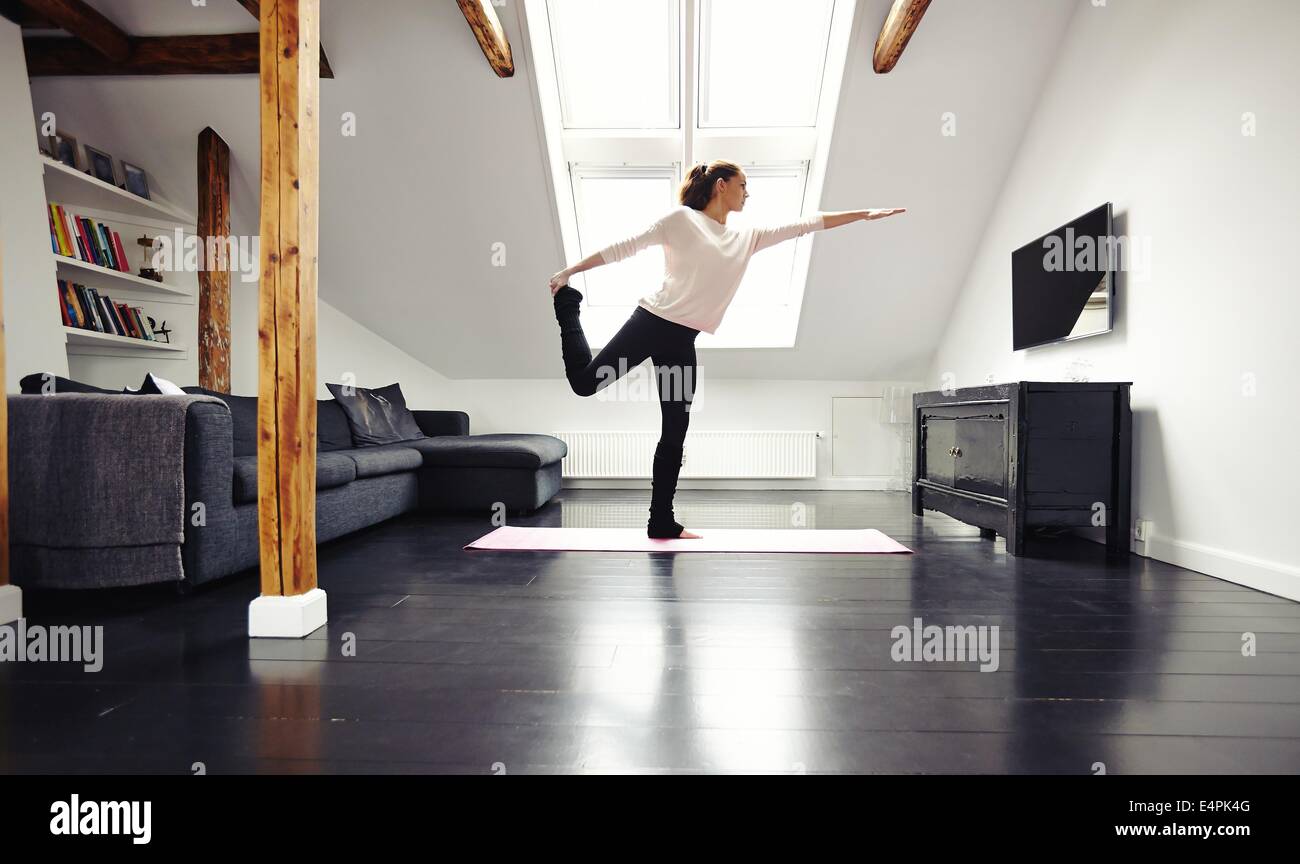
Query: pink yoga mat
{"type": "Point", "coordinates": [509, 538]}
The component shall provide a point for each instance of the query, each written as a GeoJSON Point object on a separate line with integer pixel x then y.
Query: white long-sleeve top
{"type": "Point", "coordinates": [704, 262]}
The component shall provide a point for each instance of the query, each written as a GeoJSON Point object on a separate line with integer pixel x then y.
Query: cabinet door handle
{"type": "Point", "coordinates": [956, 451]}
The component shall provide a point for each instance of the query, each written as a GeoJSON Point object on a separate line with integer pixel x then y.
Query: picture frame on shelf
{"type": "Point", "coordinates": [135, 179]}
{"type": "Point", "coordinates": [64, 148]}
{"type": "Point", "coordinates": [100, 165]}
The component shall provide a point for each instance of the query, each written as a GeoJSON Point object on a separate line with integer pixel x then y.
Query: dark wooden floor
{"type": "Point", "coordinates": [523, 662]}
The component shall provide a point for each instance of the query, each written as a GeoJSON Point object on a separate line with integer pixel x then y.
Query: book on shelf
{"type": "Point", "coordinates": [85, 308]}
{"type": "Point", "coordinates": [67, 305]}
{"type": "Point", "coordinates": [85, 317]}
{"type": "Point", "coordinates": [83, 239]}
{"type": "Point", "coordinates": [125, 314]}
{"type": "Point", "coordinates": [105, 312]}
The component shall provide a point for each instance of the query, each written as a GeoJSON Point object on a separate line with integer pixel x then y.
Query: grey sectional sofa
{"type": "Point", "coordinates": [449, 470]}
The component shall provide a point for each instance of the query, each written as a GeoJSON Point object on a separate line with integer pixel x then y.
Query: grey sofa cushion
{"type": "Point", "coordinates": [501, 450]}
{"type": "Point", "coordinates": [377, 416]}
{"type": "Point", "coordinates": [442, 422]}
{"type": "Point", "coordinates": [389, 459]}
{"type": "Point", "coordinates": [332, 469]}
{"type": "Point", "coordinates": [243, 419]}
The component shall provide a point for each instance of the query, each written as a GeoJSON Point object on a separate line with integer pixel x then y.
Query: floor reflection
{"type": "Point", "coordinates": [290, 724]}
{"type": "Point", "coordinates": [695, 680]}
{"type": "Point", "coordinates": [1089, 644]}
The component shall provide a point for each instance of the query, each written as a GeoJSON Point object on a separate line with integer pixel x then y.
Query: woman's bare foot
{"type": "Point", "coordinates": [665, 532]}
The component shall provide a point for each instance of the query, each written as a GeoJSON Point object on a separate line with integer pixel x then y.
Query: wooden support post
{"type": "Point", "coordinates": [291, 604]}
{"type": "Point", "coordinates": [214, 280]}
{"type": "Point", "coordinates": [11, 597]}
{"type": "Point", "coordinates": [255, 9]}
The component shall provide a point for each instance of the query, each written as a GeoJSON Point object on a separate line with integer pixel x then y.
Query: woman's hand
{"type": "Point", "coordinates": [559, 280]}
{"type": "Point", "coordinates": [868, 215]}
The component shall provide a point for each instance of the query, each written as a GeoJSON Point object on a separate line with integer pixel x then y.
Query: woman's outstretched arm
{"type": "Point", "coordinates": [561, 278]}
{"type": "Point", "coordinates": [655, 235]}
{"type": "Point", "coordinates": [844, 217]}
{"type": "Point", "coordinates": [764, 237]}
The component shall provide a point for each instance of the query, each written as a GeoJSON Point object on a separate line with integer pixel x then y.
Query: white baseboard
{"type": "Point", "coordinates": [11, 603]}
{"type": "Point", "coordinates": [1267, 576]}
{"type": "Point", "coordinates": [287, 617]}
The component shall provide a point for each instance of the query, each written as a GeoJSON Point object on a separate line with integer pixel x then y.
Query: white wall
{"type": "Point", "coordinates": [1145, 109]}
{"type": "Point", "coordinates": [343, 347]}
{"type": "Point", "coordinates": [34, 340]}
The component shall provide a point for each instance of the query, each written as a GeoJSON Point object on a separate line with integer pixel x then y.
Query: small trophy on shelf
{"type": "Point", "coordinates": [147, 272]}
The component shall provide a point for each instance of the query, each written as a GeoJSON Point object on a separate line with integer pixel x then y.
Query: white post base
{"type": "Point", "coordinates": [287, 617]}
{"type": "Point", "coordinates": [11, 603]}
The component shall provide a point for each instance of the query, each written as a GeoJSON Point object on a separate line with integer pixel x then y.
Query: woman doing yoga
{"type": "Point", "coordinates": [704, 261]}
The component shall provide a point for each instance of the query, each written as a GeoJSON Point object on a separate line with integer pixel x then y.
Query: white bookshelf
{"type": "Point", "coordinates": [75, 270]}
{"type": "Point", "coordinates": [83, 194]}
{"type": "Point", "coordinates": [67, 185]}
{"type": "Point", "coordinates": [92, 341]}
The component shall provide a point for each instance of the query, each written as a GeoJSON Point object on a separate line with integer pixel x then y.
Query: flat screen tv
{"type": "Point", "coordinates": [1063, 283]}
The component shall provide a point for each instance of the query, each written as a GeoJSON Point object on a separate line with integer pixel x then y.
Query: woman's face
{"type": "Point", "coordinates": [733, 192]}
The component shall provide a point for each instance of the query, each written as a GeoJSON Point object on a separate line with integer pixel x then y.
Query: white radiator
{"type": "Point", "coordinates": [712, 455]}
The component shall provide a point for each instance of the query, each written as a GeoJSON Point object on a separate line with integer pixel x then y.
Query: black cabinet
{"type": "Point", "coordinates": [1011, 457]}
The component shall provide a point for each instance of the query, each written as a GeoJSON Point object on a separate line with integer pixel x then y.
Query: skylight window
{"type": "Point", "coordinates": [632, 93]}
{"type": "Point", "coordinates": [616, 63]}
{"type": "Point", "coordinates": [740, 84]}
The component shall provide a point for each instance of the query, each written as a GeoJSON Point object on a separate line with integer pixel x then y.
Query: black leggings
{"type": "Point", "coordinates": [671, 347]}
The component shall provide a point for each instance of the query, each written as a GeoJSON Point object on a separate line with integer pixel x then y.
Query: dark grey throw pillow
{"type": "Point", "coordinates": [377, 416]}
{"type": "Point", "coordinates": [332, 429]}
{"type": "Point", "coordinates": [243, 419]}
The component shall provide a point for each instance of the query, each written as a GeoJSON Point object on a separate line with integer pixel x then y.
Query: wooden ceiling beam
{"type": "Point", "coordinates": [24, 17]}
{"type": "Point", "coordinates": [491, 37]}
{"type": "Point", "coordinates": [254, 8]}
{"type": "Point", "coordinates": [86, 24]}
{"type": "Point", "coordinates": [220, 54]}
{"type": "Point", "coordinates": [900, 24]}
